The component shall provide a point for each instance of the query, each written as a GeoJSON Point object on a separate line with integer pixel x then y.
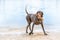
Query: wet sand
{"type": "Point", "coordinates": [19, 34]}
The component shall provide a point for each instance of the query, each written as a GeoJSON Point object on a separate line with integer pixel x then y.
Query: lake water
{"type": "Point", "coordinates": [12, 12]}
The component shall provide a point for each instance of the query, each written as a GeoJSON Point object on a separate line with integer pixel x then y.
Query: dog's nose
{"type": "Point", "coordinates": [39, 17]}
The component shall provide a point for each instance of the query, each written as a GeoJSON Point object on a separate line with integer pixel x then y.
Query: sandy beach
{"type": "Point", "coordinates": [36, 36]}
{"type": "Point", "coordinates": [19, 34]}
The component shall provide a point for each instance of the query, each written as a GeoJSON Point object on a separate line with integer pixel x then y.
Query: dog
{"type": "Point", "coordinates": [36, 19]}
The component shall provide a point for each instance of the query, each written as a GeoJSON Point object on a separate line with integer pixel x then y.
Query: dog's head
{"type": "Point", "coordinates": [39, 15]}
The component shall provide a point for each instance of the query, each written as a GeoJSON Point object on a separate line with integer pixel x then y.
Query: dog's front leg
{"type": "Point", "coordinates": [43, 28]}
{"type": "Point", "coordinates": [32, 29]}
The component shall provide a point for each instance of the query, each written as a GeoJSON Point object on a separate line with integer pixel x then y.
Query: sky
{"type": "Point", "coordinates": [12, 12]}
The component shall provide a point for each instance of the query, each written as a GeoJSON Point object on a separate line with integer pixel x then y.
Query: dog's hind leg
{"type": "Point", "coordinates": [27, 27]}
{"type": "Point", "coordinates": [32, 29]}
{"type": "Point", "coordinates": [29, 22]}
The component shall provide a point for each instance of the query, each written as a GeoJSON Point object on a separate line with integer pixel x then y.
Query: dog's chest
{"type": "Point", "coordinates": [35, 20]}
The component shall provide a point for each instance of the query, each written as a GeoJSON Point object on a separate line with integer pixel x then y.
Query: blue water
{"type": "Point", "coordinates": [12, 12]}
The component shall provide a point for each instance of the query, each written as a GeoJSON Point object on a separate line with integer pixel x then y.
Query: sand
{"type": "Point", "coordinates": [19, 34]}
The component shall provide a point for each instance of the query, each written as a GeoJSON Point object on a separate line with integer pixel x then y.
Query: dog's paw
{"type": "Point", "coordinates": [45, 34]}
{"type": "Point", "coordinates": [26, 32]}
{"type": "Point", "coordinates": [30, 33]}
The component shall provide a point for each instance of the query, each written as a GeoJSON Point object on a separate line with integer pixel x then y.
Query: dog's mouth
{"type": "Point", "coordinates": [40, 19]}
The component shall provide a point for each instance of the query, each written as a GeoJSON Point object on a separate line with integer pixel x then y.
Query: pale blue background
{"type": "Point", "coordinates": [12, 12]}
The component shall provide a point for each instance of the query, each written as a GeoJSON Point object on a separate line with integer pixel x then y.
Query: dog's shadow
{"type": "Point", "coordinates": [37, 34]}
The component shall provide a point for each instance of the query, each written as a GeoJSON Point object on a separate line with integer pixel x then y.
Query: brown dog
{"type": "Point", "coordinates": [36, 19]}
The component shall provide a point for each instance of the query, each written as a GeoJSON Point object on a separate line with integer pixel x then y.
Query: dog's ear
{"type": "Point", "coordinates": [41, 14]}
{"type": "Point", "coordinates": [36, 15]}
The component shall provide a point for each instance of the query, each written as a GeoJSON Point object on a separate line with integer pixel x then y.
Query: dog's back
{"type": "Point", "coordinates": [31, 18]}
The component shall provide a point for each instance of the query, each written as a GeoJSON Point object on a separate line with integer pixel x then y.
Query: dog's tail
{"type": "Point", "coordinates": [26, 10]}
